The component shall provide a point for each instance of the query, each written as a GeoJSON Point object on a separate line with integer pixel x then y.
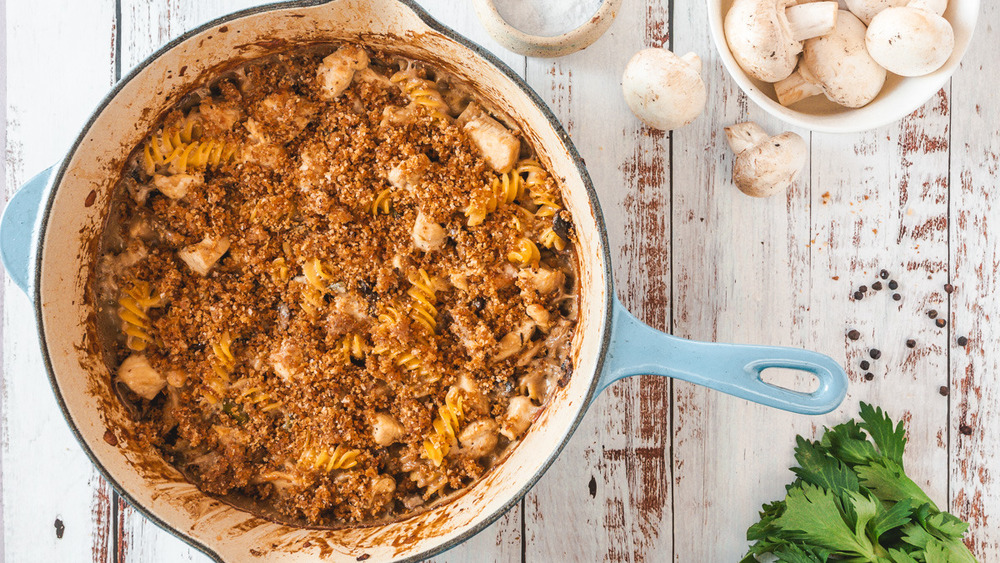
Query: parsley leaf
{"type": "Point", "coordinates": [852, 502]}
{"type": "Point", "coordinates": [890, 441]}
{"type": "Point", "coordinates": [889, 483]}
{"type": "Point", "coordinates": [817, 467]}
{"type": "Point", "coordinates": [891, 519]}
{"type": "Point", "coordinates": [811, 514]}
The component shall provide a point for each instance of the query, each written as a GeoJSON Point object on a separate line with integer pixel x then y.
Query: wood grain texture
{"type": "Point", "coordinates": [46, 475]}
{"type": "Point", "coordinates": [658, 470]}
{"type": "Point", "coordinates": [975, 311]}
{"type": "Point", "coordinates": [741, 274]}
{"type": "Point", "coordinates": [613, 478]}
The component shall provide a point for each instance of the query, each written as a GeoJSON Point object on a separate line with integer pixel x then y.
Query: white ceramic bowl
{"type": "Point", "coordinates": [899, 97]}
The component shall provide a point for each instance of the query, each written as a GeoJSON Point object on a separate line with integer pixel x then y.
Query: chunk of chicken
{"type": "Point", "coordinates": [540, 315]}
{"type": "Point", "coordinates": [498, 146]}
{"type": "Point", "coordinates": [543, 280]}
{"type": "Point", "coordinates": [219, 117]}
{"type": "Point", "coordinates": [479, 437]}
{"type": "Point", "coordinates": [520, 412]}
{"type": "Point", "coordinates": [287, 361]}
{"type": "Point", "coordinates": [514, 341]}
{"type": "Point", "coordinates": [337, 70]}
{"type": "Point", "coordinates": [428, 236]}
{"type": "Point", "coordinates": [200, 257]}
{"type": "Point", "coordinates": [386, 430]}
{"type": "Point", "coordinates": [137, 373]}
{"type": "Point", "coordinates": [176, 186]}
{"type": "Point", "coordinates": [408, 173]}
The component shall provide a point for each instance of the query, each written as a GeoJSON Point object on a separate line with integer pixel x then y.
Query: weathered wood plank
{"type": "Point", "coordinates": [781, 271]}
{"type": "Point", "coordinates": [613, 479]}
{"type": "Point", "coordinates": [51, 88]}
{"type": "Point", "coordinates": [975, 256]}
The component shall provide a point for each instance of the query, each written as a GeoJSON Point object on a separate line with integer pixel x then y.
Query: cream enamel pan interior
{"type": "Point", "coordinates": [83, 384]}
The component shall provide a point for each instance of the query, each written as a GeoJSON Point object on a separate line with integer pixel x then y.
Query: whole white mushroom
{"type": "Point", "coordinates": [663, 90]}
{"type": "Point", "coordinates": [765, 165]}
{"type": "Point", "coordinates": [765, 36]}
{"type": "Point", "coordinates": [910, 41]}
{"type": "Point", "coordinates": [837, 65]}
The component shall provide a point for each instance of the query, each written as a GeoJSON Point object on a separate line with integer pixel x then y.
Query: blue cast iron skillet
{"type": "Point", "coordinates": [628, 348]}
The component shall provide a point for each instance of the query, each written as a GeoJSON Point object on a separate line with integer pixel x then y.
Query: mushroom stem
{"type": "Point", "coordinates": [814, 19]}
{"type": "Point", "coordinates": [742, 136]}
{"type": "Point", "coordinates": [797, 87]}
{"type": "Point", "coordinates": [693, 60]}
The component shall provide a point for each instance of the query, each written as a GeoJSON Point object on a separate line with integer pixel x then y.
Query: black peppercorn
{"type": "Point", "coordinates": [877, 286]}
{"type": "Point", "coordinates": [875, 353]}
{"type": "Point", "coordinates": [858, 296]}
{"type": "Point", "coordinates": [869, 376]}
{"type": "Point", "coordinates": [896, 297]}
{"type": "Point", "coordinates": [948, 288]}
{"type": "Point", "coordinates": [943, 390]}
{"type": "Point", "coordinates": [962, 341]}
{"type": "Point", "coordinates": [865, 365]}
{"type": "Point", "coordinates": [932, 314]}
{"type": "Point", "coordinates": [911, 343]}
{"type": "Point", "coordinates": [965, 429]}
{"type": "Point", "coordinates": [941, 323]}
{"type": "Point", "coordinates": [884, 274]}
{"type": "Point", "coordinates": [853, 335]}
{"type": "Point", "coordinates": [893, 284]}
{"type": "Point", "coordinates": [863, 289]}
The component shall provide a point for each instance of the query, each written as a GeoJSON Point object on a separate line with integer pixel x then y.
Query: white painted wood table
{"type": "Point", "coordinates": [658, 470]}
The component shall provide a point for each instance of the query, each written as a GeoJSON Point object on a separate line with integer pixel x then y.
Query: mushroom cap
{"type": "Point", "coordinates": [663, 90]}
{"type": "Point", "coordinates": [771, 165]}
{"type": "Point", "coordinates": [840, 62]}
{"type": "Point", "coordinates": [867, 9]}
{"type": "Point", "coordinates": [759, 37]}
{"type": "Point", "coordinates": [910, 42]}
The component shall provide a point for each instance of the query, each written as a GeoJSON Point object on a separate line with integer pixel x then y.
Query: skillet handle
{"type": "Point", "coordinates": [17, 229]}
{"type": "Point", "coordinates": [731, 368]}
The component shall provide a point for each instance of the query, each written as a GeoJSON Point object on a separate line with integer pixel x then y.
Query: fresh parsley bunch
{"type": "Point", "coordinates": [853, 502]}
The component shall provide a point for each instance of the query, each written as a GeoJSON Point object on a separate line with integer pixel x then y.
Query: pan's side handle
{"type": "Point", "coordinates": [731, 368]}
{"type": "Point", "coordinates": [17, 229]}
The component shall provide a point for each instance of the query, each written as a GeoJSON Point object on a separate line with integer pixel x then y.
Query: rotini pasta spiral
{"type": "Point", "coordinates": [319, 276]}
{"type": "Point", "coordinates": [549, 239]}
{"type": "Point", "coordinates": [525, 254]}
{"type": "Point", "coordinates": [504, 189]}
{"type": "Point", "coordinates": [446, 426]}
{"type": "Point", "coordinates": [325, 460]}
{"type": "Point", "coordinates": [263, 401]}
{"type": "Point", "coordinates": [405, 359]}
{"type": "Point", "coordinates": [382, 204]}
{"type": "Point", "coordinates": [539, 191]}
{"type": "Point", "coordinates": [353, 346]}
{"type": "Point", "coordinates": [225, 361]}
{"type": "Point", "coordinates": [422, 310]}
{"type": "Point", "coordinates": [135, 303]}
{"type": "Point", "coordinates": [422, 92]}
{"type": "Point", "coordinates": [182, 150]}
{"type": "Point", "coordinates": [199, 155]}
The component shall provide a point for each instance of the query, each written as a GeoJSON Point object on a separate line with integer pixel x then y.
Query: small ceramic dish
{"type": "Point", "coordinates": [542, 46]}
{"type": "Point", "coordinates": [899, 97]}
